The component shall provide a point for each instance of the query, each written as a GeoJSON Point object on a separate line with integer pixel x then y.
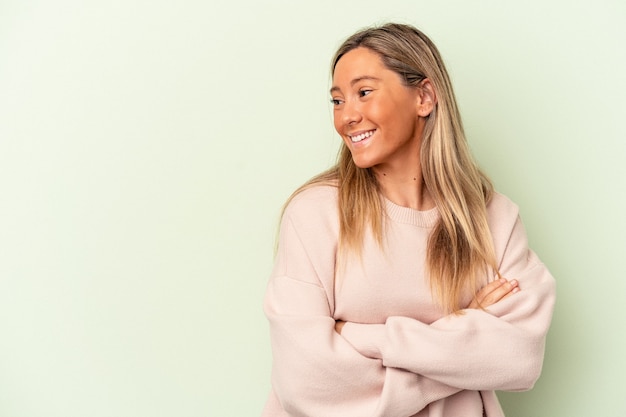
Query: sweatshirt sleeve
{"type": "Point", "coordinates": [316, 372]}
{"type": "Point", "coordinates": [500, 348]}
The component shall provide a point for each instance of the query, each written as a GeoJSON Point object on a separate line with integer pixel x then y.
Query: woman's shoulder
{"type": "Point", "coordinates": [504, 221]}
{"type": "Point", "coordinates": [313, 201]}
{"type": "Point", "coordinates": [317, 192]}
{"type": "Point", "coordinates": [501, 207]}
{"type": "Point", "coordinates": [313, 212]}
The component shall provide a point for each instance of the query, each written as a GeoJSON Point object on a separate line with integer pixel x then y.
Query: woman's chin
{"type": "Point", "coordinates": [363, 163]}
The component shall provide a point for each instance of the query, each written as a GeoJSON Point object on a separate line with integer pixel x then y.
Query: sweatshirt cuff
{"type": "Point", "coordinates": [367, 339]}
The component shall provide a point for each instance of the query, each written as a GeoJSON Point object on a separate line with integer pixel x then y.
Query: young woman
{"type": "Point", "coordinates": [403, 284]}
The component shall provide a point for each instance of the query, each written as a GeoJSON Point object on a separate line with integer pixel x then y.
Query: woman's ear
{"type": "Point", "coordinates": [426, 98]}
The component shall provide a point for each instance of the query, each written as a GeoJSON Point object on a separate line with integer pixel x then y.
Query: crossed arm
{"type": "Point", "coordinates": [488, 295]}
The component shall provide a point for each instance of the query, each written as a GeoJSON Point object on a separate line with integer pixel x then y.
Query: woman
{"type": "Point", "coordinates": [403, 284]}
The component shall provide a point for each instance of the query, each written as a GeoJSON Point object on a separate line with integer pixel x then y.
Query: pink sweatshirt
{"type": "Point", "coordinates": [398, 355]}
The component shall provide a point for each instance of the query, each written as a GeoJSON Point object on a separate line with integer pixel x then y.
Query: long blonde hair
{"type": "Point", "coordinates": [460, 249]}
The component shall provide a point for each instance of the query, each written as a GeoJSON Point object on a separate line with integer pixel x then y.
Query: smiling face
{"type": "Point", "coordinates": [377, 116]}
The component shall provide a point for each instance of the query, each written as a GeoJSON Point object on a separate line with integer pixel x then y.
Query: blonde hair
{"type": "Point", "coordinates": [460, 249]}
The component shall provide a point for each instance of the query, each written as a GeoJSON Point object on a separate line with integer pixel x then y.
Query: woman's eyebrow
{"type": "Point", "coordinates": [356, 80]}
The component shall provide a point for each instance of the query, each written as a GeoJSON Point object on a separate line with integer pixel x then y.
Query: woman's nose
{"type": "Point", "coordinates": [351, 113]}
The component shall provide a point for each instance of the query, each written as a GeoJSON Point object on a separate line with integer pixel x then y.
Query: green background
{"type": "Point", "coordinates": [146, 148]}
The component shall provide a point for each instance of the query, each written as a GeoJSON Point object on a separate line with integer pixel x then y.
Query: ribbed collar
{"type": "Point", "coordinates": [411, 216]}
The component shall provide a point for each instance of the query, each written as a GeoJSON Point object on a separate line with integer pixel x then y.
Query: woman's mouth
{"type": "Point", "coordinates": [360, 136]}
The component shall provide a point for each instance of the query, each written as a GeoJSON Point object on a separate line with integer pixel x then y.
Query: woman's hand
{"type": "Point", "coordinates": [339, 325]}
{"type": "Point", "coordinates": [494, 292]}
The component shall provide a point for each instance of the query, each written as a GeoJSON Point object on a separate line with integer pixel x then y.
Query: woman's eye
{"type": "Point", "coordinates": [363, 93]}
{"type": "Point", "coordinates": [335, 101]}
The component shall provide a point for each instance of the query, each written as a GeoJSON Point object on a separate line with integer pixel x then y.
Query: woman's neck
{"type": "Point", "coordinates": [404, 187]}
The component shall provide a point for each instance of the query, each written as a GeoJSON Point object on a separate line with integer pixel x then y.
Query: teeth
{"type": "Point", "coordinates": [360, 137]}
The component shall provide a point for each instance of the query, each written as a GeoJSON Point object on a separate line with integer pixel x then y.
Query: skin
{"type": "Point", "coordinates": [371, 101]}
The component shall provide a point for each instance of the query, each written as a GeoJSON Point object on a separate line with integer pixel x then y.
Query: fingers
{"type": "Point", "coordinates": [499, 288]}
{"type": "Point", "coordinates": [339, 325]}
{"type": "Point", "coordinates": [494, 292]}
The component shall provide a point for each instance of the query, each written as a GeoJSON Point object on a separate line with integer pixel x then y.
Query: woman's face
{"type": "Point", "coordinates": [375, 113]}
